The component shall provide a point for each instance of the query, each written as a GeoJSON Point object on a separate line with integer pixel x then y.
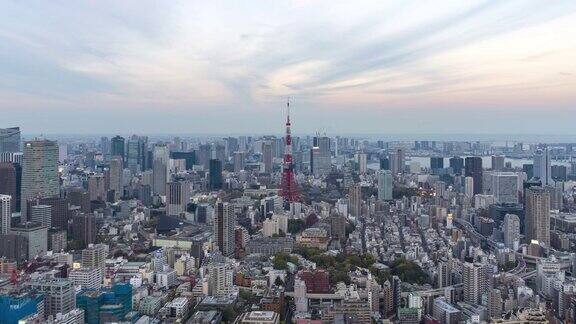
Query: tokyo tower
{"type": "Point", "coordinates": [289, 189]}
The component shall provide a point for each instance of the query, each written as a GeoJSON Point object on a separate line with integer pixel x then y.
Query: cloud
{"type": "Point", "coordinates": [204, 61]}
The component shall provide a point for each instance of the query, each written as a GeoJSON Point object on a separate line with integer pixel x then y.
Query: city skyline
{"type": "Point", "coordinates": [484, 67]}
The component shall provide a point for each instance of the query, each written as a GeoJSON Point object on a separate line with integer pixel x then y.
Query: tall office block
{"type": "Point", "coordinates": [511, 229]}
{"type": "Point", "coordinates": [456, 164]}
{"type": "Point", "coordinates": [215, 174]}
{"type": "Point", "coordinates": [5, 213]}
{"type": "Point", "coordinates": [362, 160]}
{"type": "Point", "coordinates": [133, 155]}
{"type": "Point", "coordinates": [224, 225]}
{"type": "Point", "coordinates": [473, 168]}
{"type": "Point", "coordinates": [116, 175]}
{"type": "Point", "coordinates": [239, 158]}
{"type": "Point", "coordinates": [436, 163]}
{"type": "Point", "coordinates": [504, 187]}
{"type": "Point", "coordinates": [497, 162]}
{"type": "Point", "coordinates": [10, 140]}
{"type": "Point", "coordinates": [59, 294]}
{"type": "Point", "coordinates": [384, 163]}
{"type": "Point", "coordinates": [97, 187]}
{"type": "Point", "coordinates": [189, 157]}
{"type": "Point", "coordinates": [118, 146]}
{"type": "Point", "coordinates": [267, 156]}
{"type": "Point", "coordinates": [105, 148]}
{"type": "Point", "coordinates": [39, 171]}
{"type": "Point", "coordinates": [355, 200]}
{"type": "Point", "coordinates": [397, 161]}
{"type": "Point", "coordinates": [160, 169]}
{"type": "Point", "coordinates": [385, 185]}
{"type": "Point", "coordinates": [320, 156]}
{"type": "Point", "coordinates": [8, 185]}
{"type": "Point", "coordinates": [538, 215]}
{"type": "Point", "coordinates": [204, 154]}
{"type": "Point", "coordinates": [543, 167]}
{"type": "Point", "coordinates": [177, 197]}
{"type": "Point", "coordinates": [84, 228]}
{"type": "Point", "coordinates": [37, 236]}
{"type": "Point", "coordinates": [469, 187]}
{"type": "Point", "coordinates": [41, 214]}
{"type": "Point", "coordinates": [60, 210]}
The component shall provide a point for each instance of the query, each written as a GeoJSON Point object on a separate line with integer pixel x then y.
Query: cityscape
{"type": "Point", "coordinates": [294, 162]}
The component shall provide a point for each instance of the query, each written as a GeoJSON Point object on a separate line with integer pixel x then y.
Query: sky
{"type": "Point", "coordinates": [228, 67]}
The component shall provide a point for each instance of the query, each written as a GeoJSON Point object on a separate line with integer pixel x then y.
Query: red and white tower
{"type": "Point", "coordinates": [289, 190]}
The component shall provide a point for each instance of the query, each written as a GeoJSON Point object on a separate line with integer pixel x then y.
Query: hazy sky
{"type": "Point", "coordinates": [227, 66]}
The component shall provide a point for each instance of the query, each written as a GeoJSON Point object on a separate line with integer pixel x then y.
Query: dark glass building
{"type": "Point", "coordinates": [215, 175]}
{"type": "Point", "coordinates": [457, 164]}
{"type": "Point", "coordinates": [473, 168]}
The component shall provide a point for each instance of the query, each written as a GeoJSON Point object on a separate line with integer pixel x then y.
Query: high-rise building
{"type": "Point", "coordinates": [189, 157]}
{"type": "Point", "coordinates": [39, 171]}
{"type": "Point", "coordinates": [497, 162]}
{"type": "Point", "coordinates": [8, 185]}
{"type": "Point", "coordinates": [105, 148]}
{"type": "Point", "coordinates": [224, 225]}
{"type": "Point", "coordinates": [5, 213]}
{"type": "Point", "coordinates": [355, 201]}
{"type": "Point", "coordinates": [267, 156]}
{"type": "Point", "coordinates": [117, 147]}
{"type": "Point", "coordinates": [397, 161]}
{"type": "Point", "coordinates": [59, 208]}
{"type": "Point", "coordinates": [177, 197]}
{"type": "Point", "coordinates": [469, 187]}
{"type": "Point", "coordinates": [59, 294]}
{"type": "Point", "coordinates": [444, 270]}
{"type": "Point", "coordinates": [456, 164]}
{"type": "Point", "coordinates": [116, 175]}
{"type": "Point", "coordinates": [84, 228]}
{"type": "Point", "coordinates": [385, 185]}
{"type": "Point", "coordinates": [41, 214]}
{"type": "Point", "coordinates": [474, 280]}
{"type": "Point", "coordinates": [215, 174]}
{"type": "Point", "coordinates": [160, 169]}
{"type": "Point", "coordinates": [96, 187]}
{"type": "Point", "coordinates": [239, 157]}
{"type": "Point", "coordinates": [436, 163]}
{"type": "Point", "coordinates": [538, 215]}
{"type": "Point", "coordinates": [511, 229]}
{"type": "Point", "coordinates": [362, 160]}
{"type": "Point", "coordinates": [503, 186]}
{"type": "Point", "coordinates": [221, 275]}
{"type": "Point", "coordinates": [473, 168]}
{"type": "Point", "coordinates": [10, 141]}
{"type": "Point", "coordinates": [36, 234]}
{"type": "Point", "coordinates": [204, 154]}
{"type": "Point", "coordinates": [320, 156]}
{"type": "Point", "coordinates": [543, 167]}
{"type": "Point", "coordinates": [135, 154]}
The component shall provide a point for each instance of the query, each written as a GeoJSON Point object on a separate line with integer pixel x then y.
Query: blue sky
{"type": "Point", "coordinates": [227, 66]}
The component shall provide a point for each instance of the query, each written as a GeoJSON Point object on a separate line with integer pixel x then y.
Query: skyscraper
{"type": "Point", "coordinates": [41, 214]}
{"type": "Point", "coordinates": [59, 208]}
{"type": "Point", "coordinates": [8, 182]}
{"type": "Point", "coordinates": [177, 197]}
{"type": "Point", "coordinates": [436, 163]}
{"type": "Point", "coordinates": [538, 215]}
{"type": "Point", "coordinates": [457, 164]}
{"type": "Point", "coordinates": [511, 229]}
{"type": "Point", "coordinates": [474, 280]}
{"type": "Point", "coordinates": [320, 156]}
{"type": "Point", "coordinates": [504, 187]}
{"type": "Point", "coordinates": [239, 157]}
{"type": "Point", "coordinates": [362, 160]}
{"type": "Point", "coordinates": [497, 162]}
{"type": "Point", "coordinates": [473, 168]}
{"type": "Point", "coordinates": [224, 225]}
{"type": "Point", "coordinates": [160, 169]}
{"type": "Point", "coordinates": [385, 184]}
{"type": "Point", "coordinates": [267, 156]}
{"type": "Point", "coordinates": [117, 147]}
{"type": "Point", "coordinates": [355, 200]}
{"type": "Point", "coordinates": [116, 175]}
{"type": "Point", "coordinates": [543, 167]}
{"type": "Point", "coordinates": [5, 213]}
{"type": "Point", "coordinates": [397, 161]}
{"type": "Point", "coordinates": [39, 171]}
{"type": "Point", "coordinates": [10, 141]}
{"type": "Point", "coordinates": [215, 174]}
{"type": "Point", "coordinates": [469, 187]}
{"type": "Point", "coordinates": [134, 155]}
